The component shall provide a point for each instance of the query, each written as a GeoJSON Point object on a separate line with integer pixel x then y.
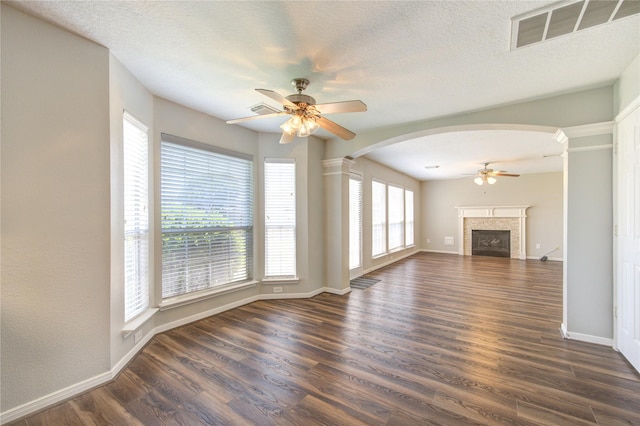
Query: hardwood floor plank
{"type": "Point", "coordinates": [440, 340]}
{"type": "Point", "coordinates": [59, 415]}
{"type": "Point", "coordinates": [547, 417]}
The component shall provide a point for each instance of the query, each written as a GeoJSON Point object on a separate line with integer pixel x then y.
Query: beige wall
{"type": "Point", "coordinates": [62, 100]}
{"type": "Point", "coordinates": [55, 209]}
{"type": "Point", "coordinates": [543, 192]}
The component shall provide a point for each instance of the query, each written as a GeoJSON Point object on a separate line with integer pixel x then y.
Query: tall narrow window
{"type": "Point", "coordinates": [355, 223]}
{"type": "Point", "coordinates": [408, 218]}
{"type": "Point", "coordinates": [280, 218]}
{"type": "Point", "coordinates": [207, 216]}
{"type": "Point", "coordinates": [396, 217]}
{"type": "Point", "coordinates": [378, 218]}
{"type": "Point", "coordinates": [136, 217]}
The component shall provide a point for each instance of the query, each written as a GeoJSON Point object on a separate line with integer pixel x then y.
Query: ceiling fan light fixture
{"type": "Point", "coordinates": [292, 125]}
{"type": "Point", "coordinates": [491, 180]}
{"type": "Point", "coordinates": [310, 125]}
{"type": "Point", "coordinates": [479, 180]}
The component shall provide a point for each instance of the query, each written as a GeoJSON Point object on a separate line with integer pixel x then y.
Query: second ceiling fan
{"type": "Point", "coordinates": [307, 116]}
{"type": "Point", "coordinates": [486, 175]}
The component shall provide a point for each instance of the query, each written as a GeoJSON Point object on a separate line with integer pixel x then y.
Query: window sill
{"type": "Point", "coordinates": [283, 280]}
{"type": "Point", "coordinates": [186, 299]}
{"type": "Point", "coordinates": [138, 321]}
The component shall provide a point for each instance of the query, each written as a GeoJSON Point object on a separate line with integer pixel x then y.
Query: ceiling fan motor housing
{"type": "Point", "coordinates": [299, 98]}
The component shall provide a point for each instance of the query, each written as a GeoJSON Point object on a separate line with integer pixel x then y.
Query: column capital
{"type": "Point", "coordinates": [337, 166]}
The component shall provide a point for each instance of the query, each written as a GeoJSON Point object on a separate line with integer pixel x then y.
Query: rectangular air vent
{"type": "Point", "coordinates": [262, 109]}
{"type": "Point", "coordinates": [567, 17]}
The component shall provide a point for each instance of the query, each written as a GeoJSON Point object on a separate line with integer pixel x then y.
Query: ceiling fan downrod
{"type": "Point", "coordinates": [299, 99]}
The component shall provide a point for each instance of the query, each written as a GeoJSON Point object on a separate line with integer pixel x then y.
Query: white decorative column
{"type": "Point", "coordinates": [511, 218]}
{"type": "Point", "coordinates": [336, 213]}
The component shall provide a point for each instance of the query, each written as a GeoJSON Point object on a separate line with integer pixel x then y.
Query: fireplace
{"type": "Point", "coordinates": [495, 243]}
{"type": "Point", "coordinates": [493, 218]}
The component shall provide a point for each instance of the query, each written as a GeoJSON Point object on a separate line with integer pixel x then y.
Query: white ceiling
{"type": "Point", "coordinates": [408, 61]}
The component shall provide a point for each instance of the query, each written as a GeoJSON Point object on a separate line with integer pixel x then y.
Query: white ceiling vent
{"type": "Point", "coordinates": [567, 17]}
{"type": "Point", "coordinates": [262, 109]}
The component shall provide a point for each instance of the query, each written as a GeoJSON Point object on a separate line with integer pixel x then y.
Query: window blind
{"type": "Point", "coordinates": [408, 215]}
{"type": "Point", "coordinates": [280, 217]}
{"type": "Point", "coordinates": [136, 217]}
{"type": "Point", "coordinates": [378, 218]}
{"type": "Point", "coordinates": [396, 217]}
{"type": "Point", "coordinates": [207, 217]}
{"type": "Point", "coordinates": [355, 223]}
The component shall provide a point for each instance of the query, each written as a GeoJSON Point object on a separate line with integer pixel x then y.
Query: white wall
{"type": "Point", "coordinates": [55, 209]}
{"type": "Point", "coordinates": [542, 191]}
{"type": "Point", "coordinates": [627, 88]}
{"type": "Point", "coordinates": [573, 109]}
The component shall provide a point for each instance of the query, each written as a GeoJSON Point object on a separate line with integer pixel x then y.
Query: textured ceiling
{"type": "Point", "coordinates": [408, 61]}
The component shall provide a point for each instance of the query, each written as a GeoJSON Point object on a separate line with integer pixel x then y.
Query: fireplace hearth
{"type": "Point", "coordinates": [496, 243]}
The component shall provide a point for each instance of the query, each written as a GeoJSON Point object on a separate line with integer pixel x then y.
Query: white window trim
{"type": "Point", "coordinates": [386, 220]}
{"type": "Point", "coordinates": [400, 246]}
{"type": "Point", "coordinates": [358, 270]}
{"type": "Point", "coordinates": [284, 279]}
{"type": "Point", "coordinates": [144, 314]}
{"type": "Point", "coordinates": [413, 218]}
{"type": "Point", "coordinates": [197, 296]}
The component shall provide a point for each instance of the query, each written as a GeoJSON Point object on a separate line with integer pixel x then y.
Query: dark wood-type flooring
{"type": "Point", "coordinates": [441, 339]}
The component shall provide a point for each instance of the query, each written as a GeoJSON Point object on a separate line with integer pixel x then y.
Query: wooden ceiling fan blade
{"type": "Point", "coordinates": [278, 98]}
{"type": "Point", "coordinates": [335, 128]}
{"type": "Point", "coordinates": [506, 174]}
{"type": "Point", "coordinates": [255, 117]}
{"type": "Point", "coordinates": [345, 106]}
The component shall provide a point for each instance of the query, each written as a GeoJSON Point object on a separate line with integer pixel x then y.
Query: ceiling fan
{"type": "Point", "coordinates": [307, 116]}
{"type": "Point", "coordinates": [489, 175]}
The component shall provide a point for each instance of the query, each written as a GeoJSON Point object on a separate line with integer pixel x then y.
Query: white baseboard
{"type": "Point", "coordinates": [604, 341]}
{"type": "Point", "coordinates": [440, 251]}
{"type": "Point", "coordinates": [553, 259]}
{"type": "Point", "coordinates": [54, 398]}
{"type": "Point", "coordinates": [388, 262]}
{"type": "Point", "coordinates": [69, 392]}
{"type": "Point", "coordinates": [335, 291]}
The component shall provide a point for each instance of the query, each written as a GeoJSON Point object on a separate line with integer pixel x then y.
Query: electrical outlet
{"type": "Point", "coordinates": [137, 336]}
{"type": "Point", "coordinates": [277, 289]}
{"type": "Point", "coordinates": [537, 246]}
{"type": "Point", "coordinates": [428, 240]}
{"type": "Point", "coordinates": [448, 241]}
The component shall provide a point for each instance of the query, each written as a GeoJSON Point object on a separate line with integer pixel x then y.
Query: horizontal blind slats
{"type": "Point", "coordinates": [378, 218]}
{"type": "Point", "coordinates": [280, 218]}
{"type": "Point", "coordinates": [207, 219]}
{"type": "Point", "coordinates": [136, 217]}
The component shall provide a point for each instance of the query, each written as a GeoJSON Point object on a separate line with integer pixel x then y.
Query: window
{"type": "Point", "coordinates": [207, 216]}
{"type": "Point", "coordinates": [136, 217]}
{"type": "Point", "coordinates": [355, 223]}
{"type": "Point", "coordinates": [408, 218]}
{"type": "Point", "coordinates": [378, 218]}
{"type": "Point", "coordinates": [396, 217]}
{"type": "Point", "coordinates": [280, 217]}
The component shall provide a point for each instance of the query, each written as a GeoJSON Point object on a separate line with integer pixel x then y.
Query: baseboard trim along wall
{"type": "Point", "coordinates": [104, 378]}
{"type": "Point", "coordinates": [604, 341]}
{"type": "Point", "coordinates": [441, 251]}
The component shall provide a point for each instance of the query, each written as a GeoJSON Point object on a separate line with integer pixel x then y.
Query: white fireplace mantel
{"type": "Point", "coordinates": [488, 212]}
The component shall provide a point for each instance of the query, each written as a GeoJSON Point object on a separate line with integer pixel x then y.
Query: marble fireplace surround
{"type": "Point", "coordinates": [511, 218]}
